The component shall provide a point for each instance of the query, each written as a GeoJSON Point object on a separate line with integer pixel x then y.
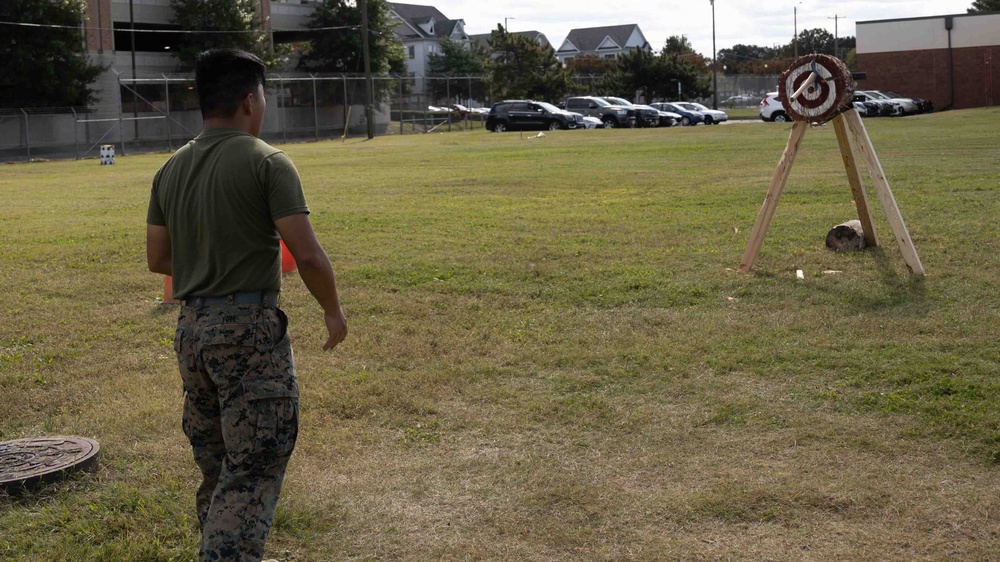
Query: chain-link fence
{"type": "Point", "coordinates": [161, 113]}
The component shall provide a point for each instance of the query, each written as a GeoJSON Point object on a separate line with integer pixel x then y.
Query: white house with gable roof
{"type": "Point", "coordinates": [604, 42]}
{"type": "Point", "coordinates": [421, 29]}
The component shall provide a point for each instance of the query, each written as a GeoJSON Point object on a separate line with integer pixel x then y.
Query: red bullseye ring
{"type": "Point", "coordinates": [827, 96]}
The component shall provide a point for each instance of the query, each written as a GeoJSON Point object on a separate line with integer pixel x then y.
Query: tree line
{"type": "Point", "coordinates": [44, 67]}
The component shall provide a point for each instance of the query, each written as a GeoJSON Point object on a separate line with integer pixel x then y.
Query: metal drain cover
{"type": "Point", "coordinates": [27, 462]}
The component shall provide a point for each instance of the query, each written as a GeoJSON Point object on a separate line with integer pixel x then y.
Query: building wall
{"type": "Point", "coordinates": [98, 16]}
{"type": "Point", "coordinates": [911, 57]}
{"type": "Point", "coordinates": [924, 74]}
{"type": "Point", "coordinates": [968, 30]}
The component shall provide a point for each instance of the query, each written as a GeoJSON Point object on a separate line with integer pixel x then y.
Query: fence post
{"type": "Point", "coordinates": [347, 126]}
{"type": "Point", "coordinates": [400, 106]}
{"type": "Point", "coordinates": [76, 133]}
{"type": "Point", "coordinates": [447, 94]}
{"type": "Point", "coordinates": [121, 128]}
{"type": "Point", "coordinates": [27, 135]}
{"type": "Point", "coordinates": [315, 108]}
{"type": "Point", "coordinates": [166, 91]}
{"type": "Point", "coordinates": [284, 118]}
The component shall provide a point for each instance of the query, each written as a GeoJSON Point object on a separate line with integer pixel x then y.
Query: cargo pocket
{"type": "Point", "coordinates": [238, 334]}
{"type": "Point", "coordinates": [273, 413]}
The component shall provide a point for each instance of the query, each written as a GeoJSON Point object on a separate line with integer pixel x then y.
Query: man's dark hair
{"type": "Point", "coordinates": [224, 77]}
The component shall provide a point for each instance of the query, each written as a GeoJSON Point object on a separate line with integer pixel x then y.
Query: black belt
{"type": "Point", "coordinates": [266, 298]}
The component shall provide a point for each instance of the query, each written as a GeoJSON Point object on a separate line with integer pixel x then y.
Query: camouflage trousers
{"type": "Point", "coordinates": [241, 416]}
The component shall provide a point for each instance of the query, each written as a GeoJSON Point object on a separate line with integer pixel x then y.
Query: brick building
{"type": "Point", "coordinates": [952, 60]}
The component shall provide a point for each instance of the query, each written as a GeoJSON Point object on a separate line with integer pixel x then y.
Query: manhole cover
{"type": "Point", "coordinates": [27, 462]}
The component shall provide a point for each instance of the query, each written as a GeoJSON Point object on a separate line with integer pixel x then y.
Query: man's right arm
{"type": "Point", "coordinates": [316, 272]}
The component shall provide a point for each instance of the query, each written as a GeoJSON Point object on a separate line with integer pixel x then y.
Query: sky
{"type": "Point", "coordinates": [750, 22]}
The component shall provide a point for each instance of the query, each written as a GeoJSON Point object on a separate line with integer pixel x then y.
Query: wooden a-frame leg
{"type": "Point", "coordinates": [864, 143]}
{"type": "Point", "coordinates": [854, 178]}
{"type": "Point", "coordinates": [773, 193]}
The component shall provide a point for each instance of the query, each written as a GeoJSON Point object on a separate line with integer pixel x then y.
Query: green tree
{"type": "Point", "coordinates": [985, 6]}
{"type": "Point", "coordinates": [44, 67]}
{"type": "Point", "coordinates": [340, 50]}
{"type": "Point", "coordinates": [750, 59]}
{"type": "Point", "coordinates": [458, 60]}
{"type": "Point", "coordinates": [851, 60]}
{"type": "Point", "coordinates": [522, 68]}
{"type": "Point", "coordinates": [236, 16]}
{"type": "Point", "coordinates": [590, 64]}
{"type": "Point", "coordinates": [677, 45]}
{"type": "Point", "coordinates": [641, 74]}
{"type": "Point", "coordinates": [822, 42]}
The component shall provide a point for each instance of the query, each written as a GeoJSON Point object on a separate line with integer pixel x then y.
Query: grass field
{"type": "Point", "coordinates": [551, 356]}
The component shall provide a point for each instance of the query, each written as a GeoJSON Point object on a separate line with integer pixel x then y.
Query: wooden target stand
{"type": "Point", "coordinates": [851, 133]}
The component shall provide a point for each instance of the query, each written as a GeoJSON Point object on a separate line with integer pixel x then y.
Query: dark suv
{"type": "Point", "coordinates": [611, 115]}
{"type": "Point", "coordinates": [511, 115]}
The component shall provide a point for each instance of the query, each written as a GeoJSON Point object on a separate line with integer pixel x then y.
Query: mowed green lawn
{"type": "Point", "coordinates": [551, 355]}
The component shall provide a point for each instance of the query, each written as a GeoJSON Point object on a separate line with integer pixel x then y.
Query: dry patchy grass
{"type": "Point", "coordinates": [550, 356]}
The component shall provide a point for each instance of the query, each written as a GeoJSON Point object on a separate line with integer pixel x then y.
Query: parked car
{"type": "Point", "coordinates": [920, 105]}
{"type": "Point", "coordinates": [736, 101]}
{"type": "Point", "coordinates": [886, 106]}
{"type": "Point", "coordinates": [772, 110]}
{"type": "Point", "coordinates": [611, 115]}
{"type": "Point", "coordinates": [909, 106]}
{"type": "Point", "coordinates": [522, 115]}
{"type": "Point", "coordinates": [688, 117]}
{"type": "Point", "coordinates": [873, 108]}
{"type": "Point", "coordinates": [586, 122]}
{"type": "Point", "coordinates": [923, 105]}
{"type": "Point", "coordinates": [667, 118]}
{"type": "Point", "coordinates": [645, 116]}
{"type": "Point", "coordinates": [712, 116]}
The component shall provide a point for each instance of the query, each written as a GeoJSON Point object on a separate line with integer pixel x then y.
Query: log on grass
{"type": "Point", "coordinates": [846, 237]}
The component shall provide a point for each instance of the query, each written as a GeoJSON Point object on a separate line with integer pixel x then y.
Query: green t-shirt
{"type": "Point", "coordinates": [219, 196]}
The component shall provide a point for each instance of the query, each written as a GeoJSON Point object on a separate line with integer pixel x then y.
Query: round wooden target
{"type": "Point", "coordinates": [829, 93]}
{"type": "Point", "coordinates": [28, 462]}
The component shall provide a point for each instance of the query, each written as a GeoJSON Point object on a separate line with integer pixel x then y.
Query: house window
{"type": "Point", "coordinates": [610, 56]}
{"type": "Point", "coordinates": [412, 52]}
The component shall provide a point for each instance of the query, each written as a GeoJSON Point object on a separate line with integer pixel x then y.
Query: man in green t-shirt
{"type": "Point", "coordinates": [217, 212]}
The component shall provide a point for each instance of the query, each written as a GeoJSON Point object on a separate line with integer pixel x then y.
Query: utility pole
{"type": "Point", "coordinates": [795, 23]}
{"type": "Point", "coordinates": [715, 78]}
{"type": "Point", "coordinates": [836, 49]}
{"type": "Point", "coordinates": [369, 110]}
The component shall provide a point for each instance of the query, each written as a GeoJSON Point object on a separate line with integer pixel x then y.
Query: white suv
{"type": "Point", "coordinates": [772, 110]}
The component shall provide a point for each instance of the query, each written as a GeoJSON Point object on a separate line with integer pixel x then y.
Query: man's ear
{"type": "Point", "coordinates": [247, 104]}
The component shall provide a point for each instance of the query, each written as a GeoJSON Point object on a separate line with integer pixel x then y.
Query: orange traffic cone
{"type": "Point", "coordinates": [287, 261]}
{"type": "Point", "coordinates": [168, 291]}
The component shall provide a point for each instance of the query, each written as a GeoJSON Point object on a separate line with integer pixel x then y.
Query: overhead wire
{"type": "Point", "coordinates": [175, 31]}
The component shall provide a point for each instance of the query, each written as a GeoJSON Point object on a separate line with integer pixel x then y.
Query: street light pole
{"type": "Point", "coordinates": [505, 23]}
{"type": "Point", "coordinates": [715, 78]}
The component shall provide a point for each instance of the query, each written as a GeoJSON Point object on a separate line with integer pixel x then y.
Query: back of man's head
{"type": "Point", "coordinates": [224, 77]}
